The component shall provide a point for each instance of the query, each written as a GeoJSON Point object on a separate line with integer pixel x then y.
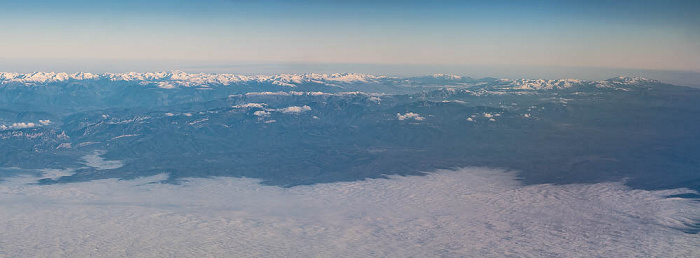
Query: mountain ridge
{"type": "Point", "coordinates": [175, 79]}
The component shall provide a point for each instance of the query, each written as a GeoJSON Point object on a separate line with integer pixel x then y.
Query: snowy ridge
{"type": "Point", "coordinates": [624, 81]}
{"type": "Point", "coordinates": [310, 93]}
{"type": "Point", "coordinates": [621, 83]}
{"type": "Point", "coordinates": [45, 77]}
{"type": "Point", "coordinates": [447, 76]}
{"type": "Point", "coordinates": [175, 79]}
{"type": "Point", "coordinates": [540, 84]}
{"type": "Point", "coordinates": [181, 79]}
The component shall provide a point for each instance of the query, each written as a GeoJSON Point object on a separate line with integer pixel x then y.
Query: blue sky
{"type": "Point", "coordinates": [92, 35]}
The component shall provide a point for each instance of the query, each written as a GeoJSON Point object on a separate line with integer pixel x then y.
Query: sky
{"type": "Point", "coordinates": [218, 35]}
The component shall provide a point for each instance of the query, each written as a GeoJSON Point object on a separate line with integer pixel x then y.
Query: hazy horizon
{"type": "Point", "coordinates": [683, 78]}
{"type": "Point", "coordinates": [636, 35]}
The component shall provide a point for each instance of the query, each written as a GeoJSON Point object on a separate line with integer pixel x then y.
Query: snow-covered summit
{"type": "Point", "coordinates": [630, 80]}
{"type": "Point", "coordinates": [45, 77]}
{"type": "Point", "coordinates": [539, 84]}
{"type": "Point", "coordinates": [447, 76]}
{"type": "Point", "coordinates": [558, 84]}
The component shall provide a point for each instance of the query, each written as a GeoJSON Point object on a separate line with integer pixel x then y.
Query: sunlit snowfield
{"type": "Point", "coordinates": [177, 164]}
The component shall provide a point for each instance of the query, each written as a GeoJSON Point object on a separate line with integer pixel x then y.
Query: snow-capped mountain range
{"type": "Point", "coordinates": [175, 79]}
{"type": "Point", "coordinates": [181, 79]}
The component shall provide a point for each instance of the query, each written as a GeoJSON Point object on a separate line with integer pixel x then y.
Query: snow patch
{"type": "Point", "coordinates": [294, 109]}
{"type": "Point", "coordinates": [261, 113]}
{"type": "Point", "coordinates": [251, 105]}
{"type": "Point", "coordinates": [409, 116]}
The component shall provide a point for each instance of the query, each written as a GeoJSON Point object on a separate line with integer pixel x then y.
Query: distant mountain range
{"type": "Point", "coordinates": [314, 128]}
{"type": "Point", "coordinates": [175, 79]}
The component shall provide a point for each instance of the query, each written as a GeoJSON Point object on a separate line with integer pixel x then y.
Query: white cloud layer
{"type": "Point", "coordinates": [471, 212]}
